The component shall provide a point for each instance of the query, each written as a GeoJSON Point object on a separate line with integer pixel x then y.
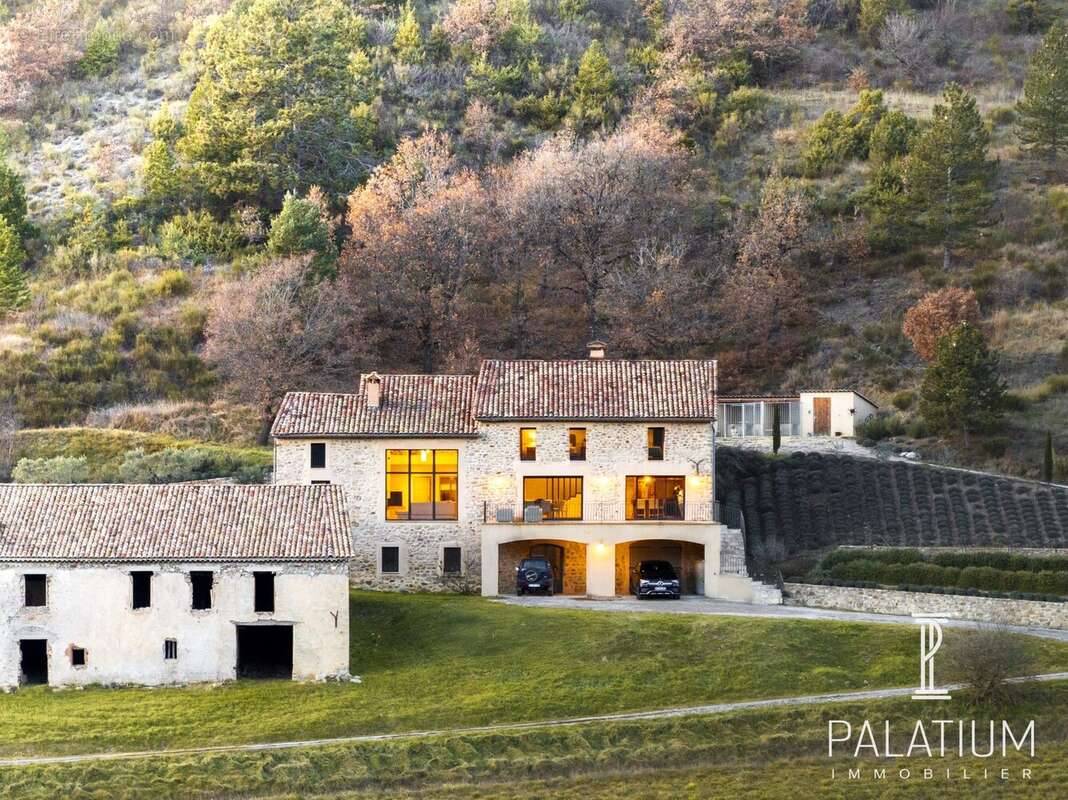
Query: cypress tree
{"type": "Point", "coordinates": [776, 434]}
{"type": "Point", "coordinates": [1043, 126]}
{"type": "Point", "coordinates": [1047, 465]}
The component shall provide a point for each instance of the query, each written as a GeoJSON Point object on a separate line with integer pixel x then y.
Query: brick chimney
{"type": "Point", "coordinates": [596, 349]}
{"type": "Point", "coordinates": [372, 388]}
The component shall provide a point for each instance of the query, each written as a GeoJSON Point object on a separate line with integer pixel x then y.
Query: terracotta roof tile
{"type": "Point", "coordinates": [176, 522]}
{"type": "Point", "coordinates": [592, 389]}
{"type": "Point", "coordinates": [411, 405]}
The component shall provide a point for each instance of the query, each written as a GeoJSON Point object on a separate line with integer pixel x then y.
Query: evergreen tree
{"type": "Point", "coordinates": [281, 103]}
{"type": "Point", "coordinates": [595, 104]}
{"type": "Point", "coordinates": [14, 293]}
{"type": "Point", "coordinates": [948, 178]}
{"type": "Point", "coordinates": [301, 227]}
{"type": "Point", "coordinates": [1047, 463]}
{"type": "Point", "coordinates": [408, 41]}
{"type": "Point", "coordinates": [12, 198]}
{"type": "Point", "coordinates": [1043, 127]}
{"type": "Point", "coordinates": [961, 389]}
{"type": "Point", "coordinates": [159, 173]}
{"type": "Point", "coordinates": [776, 434]}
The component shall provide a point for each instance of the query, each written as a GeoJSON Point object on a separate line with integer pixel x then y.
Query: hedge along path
{"type": "Point", "coordinates": [664, 713]}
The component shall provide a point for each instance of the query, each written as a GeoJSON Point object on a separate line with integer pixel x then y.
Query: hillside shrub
{"type": "Point", "coordinates": [175, 465]}
{"type": "Point", "coordinates": [883, 425]}
{"type": "Point", "coordinates": [61, 469]}
{"type": "Point", "coordinates": [101, 51]}
{"type": "Point", "coordinates": [198, 237]}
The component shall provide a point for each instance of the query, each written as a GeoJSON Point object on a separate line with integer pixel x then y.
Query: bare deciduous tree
{"type": "Point", "coordinates": [985, 660]}
{"type": "Point", "coordinates": [36, 46]}
{"type": "Point", "coordinates": [275, 331]}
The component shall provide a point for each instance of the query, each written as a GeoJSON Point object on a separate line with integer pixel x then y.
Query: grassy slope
{"type": "Point", "coordinates": [766, 754]}
{"type": "Point", "coordinates": [430, 662]}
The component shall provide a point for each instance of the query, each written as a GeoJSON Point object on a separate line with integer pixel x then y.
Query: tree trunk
{"type": "Point", "coordinates": [266, 422]}
{"type": "Point", "coordinates": [945, 257]}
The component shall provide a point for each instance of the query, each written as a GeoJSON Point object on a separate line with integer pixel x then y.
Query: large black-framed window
{"type": "Point", "coordinates": [656, 497]}
{"type": "Point", "coordinates": [559, 497]}
{"type": "Point", "coordinates": [422, 484]}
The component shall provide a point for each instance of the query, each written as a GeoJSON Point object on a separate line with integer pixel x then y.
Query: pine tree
{"type": "Point", "coordinates": [408, 41]}
{"type": "Point", "coordinates": [1047, 464]}
{"type": "Point", "coordinates": [595, 104]}
{"type": "Point", "coordinates": [948, 178]}
{"type": "Point", "coordinates": [1043, 126]}
{"type": "Point", "coordinates": [14, 293]}
{"type": "Point", "coordinates": [12, 198]}
{"type": "Point", "coordinates": [159, 173]}
{"type": "Point", "coordinates": [961, 389]}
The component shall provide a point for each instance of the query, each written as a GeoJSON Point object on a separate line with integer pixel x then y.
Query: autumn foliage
{"type": "Point", "coordinates": [937, 314]}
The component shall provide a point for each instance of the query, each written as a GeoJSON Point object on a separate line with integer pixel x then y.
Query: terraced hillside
{"type": "Point", "coordinates": [809, 501]}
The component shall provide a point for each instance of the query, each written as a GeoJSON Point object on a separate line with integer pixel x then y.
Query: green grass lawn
{"type": "Point", "coordinates": [774, 753]}
{"type": "Point", "coordinates": [447, 661]}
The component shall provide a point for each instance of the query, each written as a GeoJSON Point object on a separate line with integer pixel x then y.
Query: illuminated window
{"type": "Point", "coordinates": [528, 444]}
{"type": "Point", "coordinates": [576, 442]}
{"type": "Point", "coordinates": [655, 438]}
{"type": "Point", "coordinates": [656, 497]}
{"type": "Point", "coordinates": [422, 484]}
{"type": "Point", "coordinates": [559, 498]}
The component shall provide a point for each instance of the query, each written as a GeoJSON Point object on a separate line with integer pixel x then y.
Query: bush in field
{"type": "Point", "coordinates": [883, 425]}
{"type": "Point", "coordinates": [101, 50]}
{"type": "Point", "coordinates": [304, 226]}
{"type": "Point", "coordinates": [36, 47]}
{"type": "Point", "coordinates": [984, 660]}
{"type": "Point", "coordinates": [837, 138]}
{"type": "Point", "coordinates": [14, 294]}
{"type": "Point", "coordinates": [175, 465]}
{"type": "Point", "coordinates": [198, 237]}
{"type": "Point", "coordinates": [1029, 16]}
{"type": "Point", "coordinates": [61, 469]}
{"type": "Point", "coordinates": [892, 136]}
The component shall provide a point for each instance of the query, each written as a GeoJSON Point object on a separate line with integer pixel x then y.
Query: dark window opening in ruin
{"type": "Point", "coordinates": [34, 665]}
{"type": "Point", "coordinates": [202, 583]}
{"type": "Point", "coordinates": [264, 591]}
{"type": "Point", "coordinates": [390, 559]}
{"type": "Point", "coordinates": [36, 590]}
{"type": "Point", "coordinates": [265, 651]}
{"type": "Point", "coordinates": [451, 561]}
{"type": "Point", "coordinates": [142, 589]}
{"type": "Point", "coordinates": [170, 649]}
{"type": "Point", "coordinates": [77, 656]}
{"type": "Point", "coordinates": [318, 455]}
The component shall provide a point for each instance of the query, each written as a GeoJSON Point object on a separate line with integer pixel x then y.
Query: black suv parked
{"type": "Point", "coordinates": [534, 575]}
{"type": "Point", "coordinates": [656, 579]}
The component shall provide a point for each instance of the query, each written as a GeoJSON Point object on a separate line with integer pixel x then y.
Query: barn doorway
{"type": "Point", "coordinates": [554, 554]}
{"type": "Point", "coordinates": [265, 651]}
{"type": "Point", "coordinates": [34, 661]}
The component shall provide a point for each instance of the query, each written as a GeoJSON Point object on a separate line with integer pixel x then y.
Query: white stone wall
{"type": "Point", "coordinates": [490, 474]}
{"type": "Point", "coordinates": [889, 601]}
{"type": "Point", "coordinates": [847, 410]}
{"type": "Point", "coordinates": [91, 606]}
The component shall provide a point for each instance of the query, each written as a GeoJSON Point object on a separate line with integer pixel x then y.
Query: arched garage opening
{"type": "Point", "coordinates": [568, 560]}
{"type": "Point", "coordinates": [686, 557]}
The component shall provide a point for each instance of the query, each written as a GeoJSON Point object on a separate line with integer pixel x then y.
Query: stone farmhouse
{"type": "Point", "coordinates": [594, 463]}
{"type": "Point", "coordinates": [172, 584]}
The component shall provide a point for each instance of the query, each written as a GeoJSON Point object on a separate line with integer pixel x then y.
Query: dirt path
{"type": "Point", "coordinates": [663, 713]}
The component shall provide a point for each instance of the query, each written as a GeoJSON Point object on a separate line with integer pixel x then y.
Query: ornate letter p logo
{"type": "Point", "coordinates": [930, 643]}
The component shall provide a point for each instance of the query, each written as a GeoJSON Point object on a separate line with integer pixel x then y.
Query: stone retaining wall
{"type": "Point", "coordinates": [888, 601]}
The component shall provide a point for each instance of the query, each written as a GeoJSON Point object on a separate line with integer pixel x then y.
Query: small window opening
{"type": "Point", "coordinates": [451, 561]}
{"type": "Point", "coordinates": [264, 591]}
{"type": "Point", "coordinates": [142, 589]}
{"type": "Point", "coordinates": [170, 649]}
{"type": "Point", "coordinates": [36, 590]}
{"type": "Point", "coordinates": [528, 444]}
{"type": "Point", "coordinates": [577, 444]}
{"type": "Point", "coordinates": [202, 585]}
{"type": "Point", "coordinates": [318, 455]}
{"type": "Point", "coordinates": [656, 444]}
{"type": "Point", "coordinates": [77, 656]}
{"type": "Point", "coordinates": [391, 559]}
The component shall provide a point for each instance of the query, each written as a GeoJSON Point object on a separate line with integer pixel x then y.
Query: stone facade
{"type": "Point", "coordinates": [888, 601]}
{"type": "Point", "coordinates": [90, 607]}
{"type": "Point", "coordinates": [490, 477]}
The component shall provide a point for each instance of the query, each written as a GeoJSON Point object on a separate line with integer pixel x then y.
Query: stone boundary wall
{"type": "Point", "coordinates": [1031, 613]}
{"type": "Point", "coordinates": [1036, 552]}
